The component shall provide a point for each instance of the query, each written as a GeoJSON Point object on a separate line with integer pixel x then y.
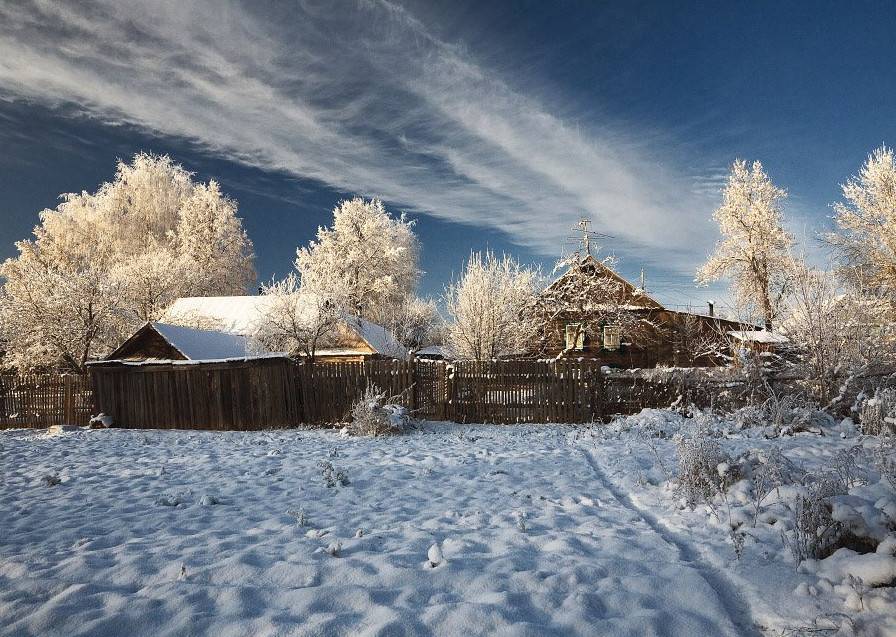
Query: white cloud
{"type": "Point", "coordinates": [366, 101]}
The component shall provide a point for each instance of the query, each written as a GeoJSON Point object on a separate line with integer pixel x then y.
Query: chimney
{"type": "Point", "coordinates": [712, 308]}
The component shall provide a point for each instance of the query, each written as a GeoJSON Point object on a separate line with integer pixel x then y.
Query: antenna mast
{"type": "Point", "coordinates": [584, 240]}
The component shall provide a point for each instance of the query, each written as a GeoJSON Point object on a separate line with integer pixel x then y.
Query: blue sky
{"type": "Point", "coordinates": [492, 124]}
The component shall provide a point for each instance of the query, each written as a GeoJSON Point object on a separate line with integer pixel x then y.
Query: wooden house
{"type": "Point", "coordinates": [592, 312]}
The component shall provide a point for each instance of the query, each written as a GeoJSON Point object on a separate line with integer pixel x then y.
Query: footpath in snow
{"type": "Point", "coordinates": [474, 530]}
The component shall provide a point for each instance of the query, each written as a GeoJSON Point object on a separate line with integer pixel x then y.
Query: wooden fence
{"type": "Point", "coordinates": [251, 394]}
{"type": "Point", "coordinates": [279, 392]}
{"type": "Point", "coordinates": [44, 400]}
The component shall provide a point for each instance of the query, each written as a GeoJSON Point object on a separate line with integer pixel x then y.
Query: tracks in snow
{"type": "Point", "coordinates": [732, 601]}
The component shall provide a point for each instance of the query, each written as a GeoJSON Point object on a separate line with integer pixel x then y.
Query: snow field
{"type": "Point", "coordinates": [165, 533]}
{"type": "Point", "coordinates": [526, 530]}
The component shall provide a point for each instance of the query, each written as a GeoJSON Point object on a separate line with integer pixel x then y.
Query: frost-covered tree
{"type": "Point", "coordinates": [367, 258]}
{"type": "Point", "coordinates": [214, 251]}
{"type": "Point", "coordinates": [296, 319]}
{"type": "Point", "coordinates": [100, 264]}
{"type": "Point", "coordinates": [839, 332]}
{"type": "Point", "coordinates": [52, 316]}
{"type": "Point", "coordinates": [754, 252]}
{"type": "Point", "coordinates": [416, 324]}
{"type": "Point", "coordinates": [866, 221]}
{"type": "Point", "coordinates": [492, 308]}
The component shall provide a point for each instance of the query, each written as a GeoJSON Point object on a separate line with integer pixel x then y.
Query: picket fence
{"type": "Point", "coordinates": [44, 400]}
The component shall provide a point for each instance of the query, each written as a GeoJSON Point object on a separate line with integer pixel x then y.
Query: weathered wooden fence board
{"type": "Point", "coordinates": [241, 395]}
{"type": "Point", "coordinates": [44, 400]}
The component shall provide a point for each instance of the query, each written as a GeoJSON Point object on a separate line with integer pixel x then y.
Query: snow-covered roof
{"type": "Point", "coordinates": [198, 344]}
{"type": "Point", "coordinates": [378, 337]}
{"type": "Point", "coordinates": [241, 315]}
{"type": "Point", "coordinates": [435, 350]}
{"type": "Point", "coordinates": [232, 314]}
{"type": "Point", "coordinates": [759, 336]}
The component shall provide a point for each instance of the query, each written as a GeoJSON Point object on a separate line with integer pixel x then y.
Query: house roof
{"type": "Point", "coordinates": [639, 299]}
{"type": "Point", "coordinates": [231, 314]}
{"type": "Point", "coordinates": [242, 314]}
{"type": "Point", "coordinates": [759, 336]}
{"type": "Point", "coordinates": [435, 350]}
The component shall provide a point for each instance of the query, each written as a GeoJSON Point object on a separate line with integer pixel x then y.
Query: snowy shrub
{"type": "Point", "coordinates": [52, 480]}
{"type": "Point", "coordinates": [846, 468]}
{"type": "Point", "coordinates": [100, 421]}
{"type": "Point", "coordinates": [704, 470]}
{"type": "Point", "coordinates": [877, 415]}
{"type": "Point", "coordinates": [885, 457]}
{"type": "Point", "coordinates": [333, 476]}
{"type": "Point", "coordinates": [815, 532]}
{"type": "Point", "coordinates": [372, 415]}
{"type": "Point", "coordinates": [772, 474]}
{"type": "Point", "coordinates": [781, 416]}
{"type": "Point", "coordinates": [300, 516]}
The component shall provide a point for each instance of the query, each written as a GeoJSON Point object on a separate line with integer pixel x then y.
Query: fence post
{"type": "Point", "coordinates": [68, 416]}
{"type": "Point", "coordinates": [412, 379]}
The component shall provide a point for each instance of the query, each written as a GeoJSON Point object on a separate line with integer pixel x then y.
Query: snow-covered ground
{"type": "Point", "coordinates": [450, 530]}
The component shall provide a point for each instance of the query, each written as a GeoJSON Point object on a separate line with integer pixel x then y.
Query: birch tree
{"type": "Point", "coordinates": [866, 220]}
{"type": "Point", "coordinates": [492, 308]}
{"type": "Point", "coordinates": [367, 258]}
{"type": "Point", "coordinates": [754, 251]}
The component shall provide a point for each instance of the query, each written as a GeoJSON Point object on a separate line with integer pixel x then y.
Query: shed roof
{"type": "Point", "coordinates": [192, 343]}
{"type": "Point", "coordinates": [198, 344]}
{"type": "Point", "coordinates": [242, 314]}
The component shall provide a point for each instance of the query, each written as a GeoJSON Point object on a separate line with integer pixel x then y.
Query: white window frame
{"type": "Point", "coordinates": [612, 337]}
{"type": "Point", "coordinates": [574, 330]}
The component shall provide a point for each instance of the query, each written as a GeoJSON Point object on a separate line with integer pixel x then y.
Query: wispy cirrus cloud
{"type": "Point", "coordinates": [365, 99]}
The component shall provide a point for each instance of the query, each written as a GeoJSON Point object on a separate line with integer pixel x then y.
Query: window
{"type": "Point", "coordinates": [575, 336]}
{"type": "Point", "coordinates": [612, 337]}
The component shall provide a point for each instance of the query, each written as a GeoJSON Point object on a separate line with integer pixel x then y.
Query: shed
{"type": "Point", "coordinates": [759, 340]}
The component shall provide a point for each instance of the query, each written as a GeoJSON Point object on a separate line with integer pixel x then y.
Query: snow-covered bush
{"type": "Point", "coordinates": [333, 476]}
{"type": "Point", "coordinates": [373, 415]}
{"type": "Point", "coordinates": [781, 415]}
{"type": "Point", "coordinates": [769, 476]}
{"type": "Point", "coordinates": [299, 515]}
{"type": "Point", "coordinates": [704, 470]}
{"type": "Point", "coordinates": [846, 468]}
{"type": "Point", "coordinates": [877, 415]}
{"type": "Point", "coordinates": [886, 461]}
{"type": "Point", "coordinates": [815, 532]}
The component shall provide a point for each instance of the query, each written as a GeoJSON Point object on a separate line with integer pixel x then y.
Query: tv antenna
{"type": "Point", "coordinates": [584, 239]}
